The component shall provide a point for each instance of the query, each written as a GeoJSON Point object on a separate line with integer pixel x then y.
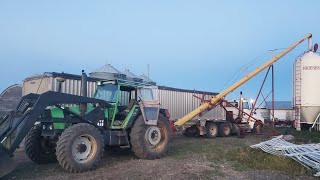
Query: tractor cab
{"type": "Point", "coordinates": [128, 99]}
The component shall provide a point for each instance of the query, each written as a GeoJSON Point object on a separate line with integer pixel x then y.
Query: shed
{"type": "Point", "coordinates": [283, 110]}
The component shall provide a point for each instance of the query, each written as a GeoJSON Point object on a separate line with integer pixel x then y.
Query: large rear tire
{"type": "Point", "coordinates": [38, 149]}
{"type": "Point", "coordinates": [80, 148]}
{"type": "Point", "coordinates": [150, 142]}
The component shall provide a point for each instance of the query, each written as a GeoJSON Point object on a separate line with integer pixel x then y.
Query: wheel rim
{"type": "Point", "coordinates": [153, 135]}
{"type": "Point", "coordinates": [213, 131]}
{"type": "Point", "coordinates": [84, 148]}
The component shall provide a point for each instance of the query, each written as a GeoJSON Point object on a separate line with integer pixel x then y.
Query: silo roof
{"type": "Point", "coordinates": [130, 74]}
{"type": "Point", "coordinates": [108, 69]}
{"type": "Point", "coordinates": [145, 78]}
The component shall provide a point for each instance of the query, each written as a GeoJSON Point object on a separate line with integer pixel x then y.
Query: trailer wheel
{"type": "Point", "coordinates": [80, 148]}
{"type": "Point", "coordinates": [150, 142]}
{"type": "Point", "coordinates": [224, 129]}
{"type": "Point", "coordinates": [211, 130]}
{"type": "Point", "coordinates": [38, 149]}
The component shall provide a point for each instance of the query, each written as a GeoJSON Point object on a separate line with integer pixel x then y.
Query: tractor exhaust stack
{"type": "Point", "coordinates": [84, 91]}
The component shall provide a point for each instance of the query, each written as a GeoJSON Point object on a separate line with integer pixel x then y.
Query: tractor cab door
{"type": "Point", "coordinates": [109, 93]}
{"type": "Point", "coordinates": [148, 98]}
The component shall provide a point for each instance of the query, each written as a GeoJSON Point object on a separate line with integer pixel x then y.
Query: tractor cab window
{"type": "Point", "coordinates": [126, 93]}
{"type": "Point", "coordinates": [148, 94]}
{"type": "Point", "coordinates": [107, 92]}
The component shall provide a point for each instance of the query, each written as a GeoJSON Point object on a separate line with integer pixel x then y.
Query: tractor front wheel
{"type": "Point", "coordinates": [80, 148]}
{"type": "Point", "coordinates": [148, 141]}
{"type": "Point", "coordinates": [39, 149]}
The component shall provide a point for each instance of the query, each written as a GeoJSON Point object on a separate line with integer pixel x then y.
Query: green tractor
{"type": "Point", "coordinates": [75, 130]}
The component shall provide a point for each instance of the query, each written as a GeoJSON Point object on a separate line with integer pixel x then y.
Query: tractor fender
{"type": "Point", "coordinates": [164, 112]}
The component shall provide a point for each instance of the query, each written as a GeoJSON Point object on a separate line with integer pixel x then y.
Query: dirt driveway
{"type": "Point", "coordinates": [188, 158]}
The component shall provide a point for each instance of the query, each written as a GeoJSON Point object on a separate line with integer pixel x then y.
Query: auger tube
{"type": "Point", "coordinates": [231, 88]}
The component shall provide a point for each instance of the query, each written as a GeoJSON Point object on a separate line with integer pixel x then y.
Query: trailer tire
{"type": "Point", "coordinates": [80, 148]}
{"type": "Point", "coordinates": [37, 149]}
{"type": "Point", "coordinates": [211, 130]}
{"type": "Point", "coordinates": [224, 129]}
{"type": "Point", "coordinates": [150, 142]}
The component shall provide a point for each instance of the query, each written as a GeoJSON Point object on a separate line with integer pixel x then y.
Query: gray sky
{"type": "Point", "coordinates": [188, 44]}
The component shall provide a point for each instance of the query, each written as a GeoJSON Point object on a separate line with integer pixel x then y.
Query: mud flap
{"type": "Point", "coordinates": [7, 164]}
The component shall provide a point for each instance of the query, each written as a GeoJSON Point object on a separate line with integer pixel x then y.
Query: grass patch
{"type": "Point", "coordinates": [307, 136]}
{"type": "Point", "coordinates": [208, 174]}
{"type": "Point", "coordinates": [236, 152]}
{"type": "Point", "coordinates": [212, 150]}
{"type": "Point", "coordinates": [248, 158]}
{"type": "Point", "coordinates": [304, 136]}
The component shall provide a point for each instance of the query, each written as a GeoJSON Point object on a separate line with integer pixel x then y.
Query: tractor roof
{"type": "Point", "coordinates": [125, 83]}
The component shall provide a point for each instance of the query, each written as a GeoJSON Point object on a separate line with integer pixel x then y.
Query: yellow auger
{"type": "Point", "coordinates": [215, 99]}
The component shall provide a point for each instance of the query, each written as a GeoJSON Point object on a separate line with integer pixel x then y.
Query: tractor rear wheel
{"type": "Point", "coordinates": [80, 148]}
{"type": "Point", "coordinates": [148, 141]}
{"type": "Point", "coordinates": [211, 130]}
{"type": "Point", "coordinates": [38, 149]}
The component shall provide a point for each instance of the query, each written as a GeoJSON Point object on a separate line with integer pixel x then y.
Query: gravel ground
{"type": "Point", "coordinates": [181, 162]}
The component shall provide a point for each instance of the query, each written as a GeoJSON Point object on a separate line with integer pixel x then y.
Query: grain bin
{"type": "Point", "coordinates": [306, 94]}
{"type": "Point", "coordinates": [9, 99]}
{"type": "Point", "coordinates": [107, 72]}
{"type": "Point", "coordinates": [147, 80]}
{"type": "Point", "coordinates": [131, 77]}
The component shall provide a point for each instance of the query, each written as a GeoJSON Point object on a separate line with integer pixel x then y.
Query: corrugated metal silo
{"type": "Point", "coordinates": [306, 76]}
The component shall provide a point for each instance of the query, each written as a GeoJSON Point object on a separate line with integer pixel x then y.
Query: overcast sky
{"type": "Point", "coordinates": [188, 44]}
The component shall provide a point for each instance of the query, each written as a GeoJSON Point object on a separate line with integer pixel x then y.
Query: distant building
{"type": "Point", "coordinates": [283, 110]}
